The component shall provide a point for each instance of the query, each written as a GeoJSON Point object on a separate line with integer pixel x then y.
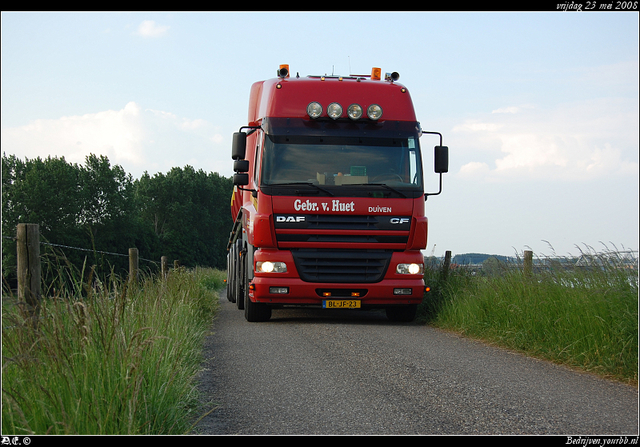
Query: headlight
{"type": "Point", "coordinates": [354, 111]}
{"type": "Point", "coordinates": [334, 110]}
{"type": "Point", "coordinates": [374, 111]}
{"type": "Point", "coordinates": [314, 110]}
{"type": "Point", "coordinates": [271, 267]}
{"type": "Point", "coordinates": [410, 269]}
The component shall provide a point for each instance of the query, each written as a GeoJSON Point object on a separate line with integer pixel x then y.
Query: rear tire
{"type": "Point", "coordinates": [239, 277]}
{"type": "Point", "coordinates": [404, 314]}
{"type": "Point", "coordinates": [230, 275]}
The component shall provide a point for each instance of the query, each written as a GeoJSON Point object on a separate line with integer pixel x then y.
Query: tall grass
{"type": "Point", "coordinates": [583, 316]}
{"type": "Point", "coordinates": [108, 358]}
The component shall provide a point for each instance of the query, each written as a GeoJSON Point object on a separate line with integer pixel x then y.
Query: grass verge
{"type": "Point", "coordinates": [584, 316]}
{"type": "Point", "coordinates": [108, 359]}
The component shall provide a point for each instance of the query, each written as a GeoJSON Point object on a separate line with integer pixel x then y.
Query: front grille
{"type": "Point", "coordinates": [341, 266]}
{"type": "Point", "coordinates": [342, 222]}
{"type": "Point", "coordinates": [366, 232]}
{"type": "Point", "coordinates": [352, 238]}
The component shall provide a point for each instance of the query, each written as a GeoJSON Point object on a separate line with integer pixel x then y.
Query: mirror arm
{"type": "Point", "coordinates": [254, 192]}
{"type": "Point", "coordinates": [434, 133]}
{"type": "Point", "coordinates": [427, 194]}
{"type": "Point", "coordinates": [253, 129]}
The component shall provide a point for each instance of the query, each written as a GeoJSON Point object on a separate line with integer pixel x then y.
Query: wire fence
{"type": "Point", "coordinates": [90, 250]}
{"type": "Point", "coordinates": [28, 273]}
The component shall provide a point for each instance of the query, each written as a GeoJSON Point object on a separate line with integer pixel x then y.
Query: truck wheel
{"type": "Point", "coordinates": [255, 312]}
{"type": "Point", "coordinates": [239, 294]}
{"type": "Point", "coordinates": [404, 314]}
{"type": "Point", "coordinates": [230, 295]}
{"type": "Point", "coordinates": [239, 278]}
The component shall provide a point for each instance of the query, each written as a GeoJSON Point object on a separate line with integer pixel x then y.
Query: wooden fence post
{"type": "Point", "coordinates": [28, 265]}
{"type": "Point", "coordinates": [528, 263]}
{"type": "Point", "coordinates": [164, 267]}
{"type": "Point", "coordinates": [133, 265]}
{"type": "Point", "coordinates": [446, 265]}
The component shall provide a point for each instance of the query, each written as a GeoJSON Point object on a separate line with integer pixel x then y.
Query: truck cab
{"type": "Point", "coordinates": [328, 202]}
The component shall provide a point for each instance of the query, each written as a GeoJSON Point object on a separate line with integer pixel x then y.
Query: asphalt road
{"type": "Point", "coordinates": [350, 372]}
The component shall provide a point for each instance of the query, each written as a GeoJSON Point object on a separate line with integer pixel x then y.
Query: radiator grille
{"type": "Point", "coordinates": [300, 231]}
{"type": "Point", "coordinates": [341, 266]}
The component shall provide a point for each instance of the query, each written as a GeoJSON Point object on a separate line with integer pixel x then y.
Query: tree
{"type": "Point", "coordinates": [186, 209]}
{"type": "Point", "coordinates": [100, 208]}
{"type": "Point", "coordinates": [39, 191]}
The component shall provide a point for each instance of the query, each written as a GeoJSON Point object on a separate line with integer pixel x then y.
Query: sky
{"type": "Point", "coordinates": [539, 109]}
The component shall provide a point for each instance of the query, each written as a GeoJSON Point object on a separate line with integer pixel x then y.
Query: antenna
{"type": "Point", "coordinates": [349, 57]}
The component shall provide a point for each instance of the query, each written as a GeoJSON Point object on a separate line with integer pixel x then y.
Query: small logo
{"type": "Point", "coordinates": [291, 219]}
{"type": "Point", "coordinates": [399, 220]}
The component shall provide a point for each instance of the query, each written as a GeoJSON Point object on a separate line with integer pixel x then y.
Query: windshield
{"type": "Point", "coordinates": [344, 161]}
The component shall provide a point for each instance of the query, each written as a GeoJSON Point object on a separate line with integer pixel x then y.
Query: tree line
{"type": "Point", "coordinates": [183, 214]}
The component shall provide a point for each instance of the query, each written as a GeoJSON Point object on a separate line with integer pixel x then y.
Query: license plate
{"type": "Point", "coordinates": [341, 304]}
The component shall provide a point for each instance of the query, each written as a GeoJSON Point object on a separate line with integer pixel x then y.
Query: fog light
{"type": "Point", "coordinates": [314, 110]}
{"type": "Point", "coordinates": [402, 291]}
{"type": "Point", "coordinates": [271, 267]}
{"type": "Point", "coordinates": [279, 290]}
{"type": "Point", "coordinates": [410, 269]}
{"type": "Point", "coordinates": [334, 110]}
{"type": "Point", "coordinates": [374, 111]}
{"type": "Point", "coordinates": [354, 111]}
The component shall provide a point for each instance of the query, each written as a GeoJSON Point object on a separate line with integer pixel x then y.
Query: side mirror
{"type": "Point", "coordinates": [240, 179]}
{"type": "Point", "coordinates": [241, 165]}
{"type": "Point", "coordinates": [441, 159]}
{"type": "Point", "coordinates": [239, 146]}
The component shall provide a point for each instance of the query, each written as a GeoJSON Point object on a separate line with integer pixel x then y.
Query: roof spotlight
{"type": "Point", "coordinates": [314, 110]}
{"type": "Point", "coordinates": [374, 111]}
{"type": "Point", "coordinates": [354, 111]}
{"type": "Point", "coordinates": [334, 110]}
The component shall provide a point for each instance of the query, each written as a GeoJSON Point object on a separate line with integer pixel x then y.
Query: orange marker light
{"type": "Point", "coordinates": [375, 74]}
{"type": "Point", "coordinates": [284, 74]}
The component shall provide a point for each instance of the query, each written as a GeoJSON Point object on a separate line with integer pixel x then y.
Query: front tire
{"type": "Point", "coordinates": [255, 312]}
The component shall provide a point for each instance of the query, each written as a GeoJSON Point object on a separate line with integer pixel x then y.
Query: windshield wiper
{"type": "Point", "coordinates": [384, 185]}
{"type": "Point", "coordinates": [304, 184]}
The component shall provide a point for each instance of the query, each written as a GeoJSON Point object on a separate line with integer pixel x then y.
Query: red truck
{"type": "Point", "coordinates": [328, 201]}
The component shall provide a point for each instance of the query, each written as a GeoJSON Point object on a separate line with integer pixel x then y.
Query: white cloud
{"type": "Point", "coordinates": [582, 140]}
{"type": "Point", "coordinates": [474, 169]}
{"type": "Point", "coordinates": [114, 133]}
{"type": "Point", "coordinates": [512, 109]}
{"type": "Point", "coordinates": [149, 28]}
{"type": "Point", "coordinates": [476, 126]}
{"type": "Point", "coordinates": [188, 124]}
{"type": "Point", "coordinates": [137, 139]}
